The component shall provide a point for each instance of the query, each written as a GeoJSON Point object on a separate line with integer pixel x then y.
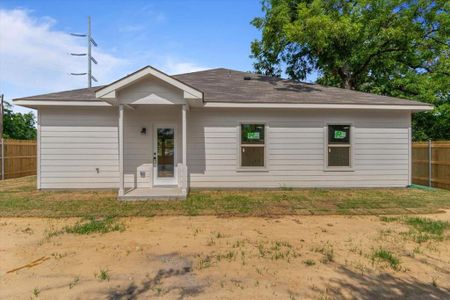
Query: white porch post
{"type": "Point", "coordinates": [183, 120]}
{"type": "Point", "coordinates": [184, 148]}
{"type": "Point", "coordinates": [121, 181]}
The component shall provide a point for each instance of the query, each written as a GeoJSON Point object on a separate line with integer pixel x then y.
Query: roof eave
{"type": "Point", "coordinates": [40, 103]}
{"type": "Point", "coordinates": [414, 108]}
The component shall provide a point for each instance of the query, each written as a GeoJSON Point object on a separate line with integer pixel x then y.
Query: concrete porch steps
{"type": "Point", "coordinates": [155, 193]}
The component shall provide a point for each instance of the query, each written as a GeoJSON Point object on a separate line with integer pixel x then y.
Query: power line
{"type": "Point", "coordinates": [90, 42]}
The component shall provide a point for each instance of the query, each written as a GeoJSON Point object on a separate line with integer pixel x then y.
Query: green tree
{"type": "Point", "coordinates": [17, 125]}
{"type": "Point", "coordinates": [392, 47]}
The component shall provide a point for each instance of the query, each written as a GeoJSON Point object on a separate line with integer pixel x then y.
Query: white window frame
{"type": "Point", "coordinates": [240, 145]}
{"type": "Point", "coordinates": [350, 146]}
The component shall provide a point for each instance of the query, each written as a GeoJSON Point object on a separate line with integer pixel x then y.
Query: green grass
{"type": "Point", "coordinates": [19, 197]}
{"type": "Point", "coordinates": [421, 229]}
{"type": "Point", "coordinates": [92, 225]}
{"type": "Point", "coordinates": [435, 227]}
{"type": "Point", "coordinates": [424, 229]}
{"type": "Point", "coordinates": [386, 256]}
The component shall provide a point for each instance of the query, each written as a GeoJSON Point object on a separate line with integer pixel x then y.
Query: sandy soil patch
{"type": "Point", "coordinates": [312, 257]}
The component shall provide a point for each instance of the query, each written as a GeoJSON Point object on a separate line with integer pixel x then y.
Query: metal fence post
{"type": "Point", "coordinates": [430, 154]}
{"type": "Point", "coordinates": [2, 141]}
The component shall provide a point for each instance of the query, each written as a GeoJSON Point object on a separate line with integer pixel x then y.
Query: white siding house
{"type": "Point", "coordinates": [151, 135]}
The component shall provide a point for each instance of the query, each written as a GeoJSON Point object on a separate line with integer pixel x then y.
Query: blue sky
{"type": "Point", "coordinates": [175, 36]}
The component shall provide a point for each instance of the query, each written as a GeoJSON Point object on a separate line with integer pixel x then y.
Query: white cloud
{"type": "Point", "coordinates": [174, 66]}
{"type": "Point", "coordinates": [34, 58]}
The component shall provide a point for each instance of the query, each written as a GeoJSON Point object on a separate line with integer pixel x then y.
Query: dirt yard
{"type": "Point", "coordinates": [205, 257]}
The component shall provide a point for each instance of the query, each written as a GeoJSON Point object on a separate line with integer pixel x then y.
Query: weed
{"type": "Point", "coordinates": [434, 282]}
{"type": "Point", "coordinates": [196, 232]}
{"type": "Point", "coordinates": [57, 255]}
{"type": "Point", "coordinates": [361, 267]}
{"type": "Point", "coordinates": [239, 243]}
{"type": "Point", "coordinates": [74, 282]}
{"type": "Point", "coordinates": [278, 250]}
{"type": "Point", "coordinates": [92, 225]}
{"type": "Point", "coordinates": [36, 292]}
{"type": "Point", "coordinates": [218, 235]}
{"type": "Point", "coordinates": [386, 256]}
{"type": "Point", "coordinates": [230, 255]}
{"type": "Point", "coordinates": [103, 275]}
{"type": "Point", "coordinates": [424, 225]}
{"type": "Point", "coordinates": [417, 250]}
{"type": "Point", "coordinates": [327, 252]}
{"type": "Point", "coordinates": [309, 262]}
{"type": "Point", "coordinates": [204, 262]}
{"type": "Point", "coordinates": [388, 219]}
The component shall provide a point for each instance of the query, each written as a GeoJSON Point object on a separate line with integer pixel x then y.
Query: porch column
{"type": "Point", "coordinates": [184, 149]}
{"type": "Point", "coordinates": [183, 133]}
{"type": "Point", "coordinates": [121, 181]}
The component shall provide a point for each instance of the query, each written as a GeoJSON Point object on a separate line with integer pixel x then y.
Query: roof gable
{"type": "Point", "coordinates": [109, 91]}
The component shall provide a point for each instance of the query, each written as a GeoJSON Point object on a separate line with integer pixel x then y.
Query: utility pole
{"type": "Point", "coordinates": [90, 59]}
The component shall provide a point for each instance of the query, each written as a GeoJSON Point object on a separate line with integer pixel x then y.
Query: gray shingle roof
{"type": "Point", "coordinates": [86, 94]}
{"type": "Point", "coordinates": [224, 85]}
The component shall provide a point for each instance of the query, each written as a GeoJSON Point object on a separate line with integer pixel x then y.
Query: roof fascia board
{"type": "Point", "coordinates": [34, 103]}
{"type": "Point", "coordinates": [127, 80]}
{"type": "Point", "coordinates": [319, 106]}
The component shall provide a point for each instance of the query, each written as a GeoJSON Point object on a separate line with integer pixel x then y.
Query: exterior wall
{"type": "Point", "coordinates": [74, 142]}
{"type": "Point", "coordinates": [295, 147]}
{"type": "Point", "coordinates": [138, 148]}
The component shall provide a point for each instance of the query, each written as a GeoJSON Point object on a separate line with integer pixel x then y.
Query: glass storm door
{"type": "Point", "coordinates": [164, 156]}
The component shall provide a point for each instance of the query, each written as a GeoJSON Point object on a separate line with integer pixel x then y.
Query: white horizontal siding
{"type": "Point", "coordinates": [295, 148]}
{"type": "Point", "coordinates": [75, 142]}
{"type": "Point", "coordinates": [138, 148]}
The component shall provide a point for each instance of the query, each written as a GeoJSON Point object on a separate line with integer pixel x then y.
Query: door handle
{"type": "Point", "coordinates": [154, 158]}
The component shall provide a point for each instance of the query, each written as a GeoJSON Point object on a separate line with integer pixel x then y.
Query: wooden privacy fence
{"type": "Point", "coordinates": [431, 164]}
{"type": "Point", "coordinates": [18, 159]}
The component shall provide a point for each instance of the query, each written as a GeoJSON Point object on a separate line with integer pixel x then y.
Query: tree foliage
{"type": "Point", "coordinates": [392, 47]}
{"type": "Point", "coordinates": [17, 125]}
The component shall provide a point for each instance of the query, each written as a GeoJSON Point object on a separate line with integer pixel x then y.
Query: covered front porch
{"type": "Point", "coordinates": [152, 118]}
{"type": "Point", "coordinates": [152, 152]}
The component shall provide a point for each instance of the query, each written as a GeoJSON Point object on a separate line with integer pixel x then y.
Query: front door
{"type": "Point", "coordinates": [164, 169]}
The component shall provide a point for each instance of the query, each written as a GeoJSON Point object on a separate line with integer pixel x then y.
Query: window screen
{"type": "Point", "coordinates": [339, 146]}
{"type": "Point", "coordinates": [338, 156]}
{"type": "Point", "coordinates": [252, 145]}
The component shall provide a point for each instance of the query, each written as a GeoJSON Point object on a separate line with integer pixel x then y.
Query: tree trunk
{"type": "Point", "coordinates": [347, 80]}
{"type": "Point", "coordinates": [348, 83]}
